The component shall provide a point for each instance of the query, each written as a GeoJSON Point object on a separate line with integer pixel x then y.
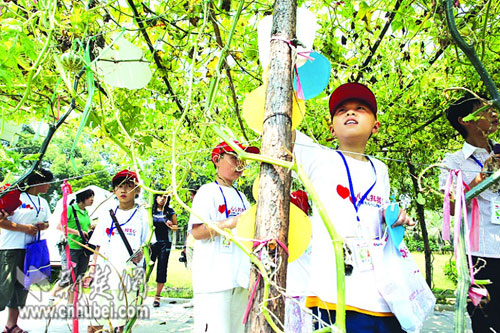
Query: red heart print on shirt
{"type": "Point", "coordinates": [222, 208]}
{"type": "Point", "coordinates": [343, 191]}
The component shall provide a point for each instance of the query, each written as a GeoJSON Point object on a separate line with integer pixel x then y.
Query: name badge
{"type": "Point", "coordinates": [361, 253]}
{"type": "Point", "coordinates": [225, 245]}
{"type": "Point", "coordinates": [495, 212]}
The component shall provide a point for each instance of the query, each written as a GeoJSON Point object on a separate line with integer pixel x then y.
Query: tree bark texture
{"type": "Point", "coordinates": [274, 187]}
{"type": "Point", "coordinates": [421, 221]}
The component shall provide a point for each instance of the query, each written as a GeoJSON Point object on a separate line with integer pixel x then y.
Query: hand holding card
{"type": "Point", "coordinates": [391, 216]}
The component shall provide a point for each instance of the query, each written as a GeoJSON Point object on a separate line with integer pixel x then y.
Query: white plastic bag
{"type": "Point", "coordinates": [402, 285]}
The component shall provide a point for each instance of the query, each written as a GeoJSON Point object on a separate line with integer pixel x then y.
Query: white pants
{"type": "Point", "coordinates": [220, 312]}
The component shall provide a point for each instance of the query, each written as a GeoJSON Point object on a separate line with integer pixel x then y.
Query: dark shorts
{"type": "Point", "coordinates": [12, 292]}
{"type": "Point", "coordinates": [359, 322]}
{"type": "Point", "coordinates": [161, 252]}
{"type": "Point", "coordinates": [82, 263]}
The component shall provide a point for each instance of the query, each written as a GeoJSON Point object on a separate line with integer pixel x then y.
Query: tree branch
{"type": "Point", "coordinates": [156, 58]}
{"type": "Point", "coordinates": [471, 54]}
{"type": "Point", "coordinates": [227, 69]}
{"type": "Point", "coordinates": [375, 46]}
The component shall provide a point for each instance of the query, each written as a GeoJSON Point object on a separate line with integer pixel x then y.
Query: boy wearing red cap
{"type": "Point", "coordinates": [355, 191]}
{"type": "Point", "coordinates": [133, 220]}
{"type": "Point", "coordinates": [221, 270]}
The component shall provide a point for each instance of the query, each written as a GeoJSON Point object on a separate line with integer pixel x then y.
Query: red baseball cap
{"type": "Point", "coordinates": [223, 147]}
{"type": "Point", "coordinates": [352, 90]}
{"type": "Point", "coordinates": [126, 174]}
{"type": "Point", "coordinates": [300, 199]}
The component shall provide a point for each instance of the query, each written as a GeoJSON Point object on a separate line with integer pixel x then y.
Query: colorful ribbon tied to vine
{"type": "Point", "coordinates": [471, 234]}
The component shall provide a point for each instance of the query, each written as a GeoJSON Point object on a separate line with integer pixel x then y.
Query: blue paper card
{"type": "Point", "coordinates": [391, 216]}
{"type": "Point", "coordinates": [314, 75]}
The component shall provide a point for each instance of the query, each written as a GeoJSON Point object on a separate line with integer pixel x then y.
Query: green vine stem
{"type": "Point", "coordinates": [184, 114]}
{"type": "Point", "coordinates": [462, 285]}
{"type": "Point", "coordinates": [471, 54]}
{"type": "Point", "coordinates": [145, 182]}
{"type": "Point", "coordinates": [483, 33]}
{"type": "Point", "coordinates": [223, 54]}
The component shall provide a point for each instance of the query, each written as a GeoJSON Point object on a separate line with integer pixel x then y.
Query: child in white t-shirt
{"type": "Point", "coordinates": [355, 190]}
{"type": "Point", "coordinates": [133, 219]}
{"type": "Point", "coordinates": [221, 270]}
{"type": "Point", "coordinates": [18, 230]}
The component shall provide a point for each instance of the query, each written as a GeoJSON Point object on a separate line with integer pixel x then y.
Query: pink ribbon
{"type": "Point", "coordinates": [305, 55]}
{"type": "Point", "coordinates": [471, 234]}
{"type": "Point", "coordinates": [476, 294]}
{"type": "Point", "coordinates": [446, 208]}
{"type": "Point", "coordinates": [300, 91]}
{"type": "Point", "coordinates": [254, 289]}
{"type": "Point", "coordinates": [474, 226]}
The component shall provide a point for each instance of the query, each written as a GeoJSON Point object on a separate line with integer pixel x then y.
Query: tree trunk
{"type": "Point", "coordinates": [421, 221]}
{"type": "Point", "coordinates": [274, 188]}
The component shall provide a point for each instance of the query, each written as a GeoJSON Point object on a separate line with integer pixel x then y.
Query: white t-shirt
{"type": "Point", "coordinates": [298, 274]}
{"type": "Point", "coordinates": [218, 266]}
{"type": "Point", "coordinates": [134, 223]}
{"type": "Point", "coordinates": [33, 209]}
{"type": "Point", "coordinates": [327, 172]}
{"type": "Point", "coordinates": [489, 233]}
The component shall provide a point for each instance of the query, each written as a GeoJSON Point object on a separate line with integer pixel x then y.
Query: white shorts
{"type": "Point", "coordinates": [220, 312]}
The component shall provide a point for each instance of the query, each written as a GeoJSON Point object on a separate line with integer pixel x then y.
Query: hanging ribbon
{"type": "Point", "coordinates": [446, 208]}
{"type": "Point", "coordinates": [474, 225]}
{"type": "Point", "coordinates": [471, 235]}
{"type": "Point", "coordinates": [261, 244]}
{"type": "Point", "coordinates": [300, 91]}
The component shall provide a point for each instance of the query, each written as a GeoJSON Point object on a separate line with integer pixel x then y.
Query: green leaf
{"type": "Point", "coordinates": [420, 199]}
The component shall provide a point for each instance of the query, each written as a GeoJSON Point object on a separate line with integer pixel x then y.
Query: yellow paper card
{"type": "Point", "coordinates": [254, 108]}
{"type": "Point", "coordinates": [299, 230]}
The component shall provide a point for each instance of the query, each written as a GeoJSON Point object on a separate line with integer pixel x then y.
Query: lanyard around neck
{"type": "Point", "coordinates": [224, 197]}
{"type": "Point", "coordinates": [36, 208]}
{"type": "Point", "coordinates": [477, 161]}
{"type": "Point", "coordinates": [351, 187]}
{"type": "Point", "coordinates": [122, 224]}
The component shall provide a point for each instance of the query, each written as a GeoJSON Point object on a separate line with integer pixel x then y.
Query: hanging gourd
{"type": "Point", "coordinates": [72, 62]}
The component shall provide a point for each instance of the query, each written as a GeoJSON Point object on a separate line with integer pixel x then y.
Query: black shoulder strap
{"type": "Point", "coordinates": [79, 227]}
{"type": "Point", "coordinates": [120, 231]}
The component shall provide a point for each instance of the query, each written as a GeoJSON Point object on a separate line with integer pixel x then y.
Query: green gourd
{"type": "Point", "coordinates": [72, 62]}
